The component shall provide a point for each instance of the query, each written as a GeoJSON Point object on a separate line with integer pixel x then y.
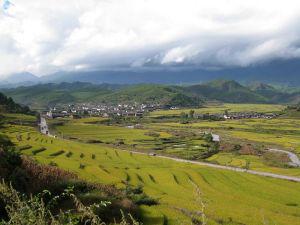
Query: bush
{"type": "Point", "coordinates": [5, 141]}
{"type": "Point", "coordinates": [58, 153]}
{"type": "Point", "coordinates": [81, 166]}
{"type": "Point", "coordinates": [143, 199]}
{"type": "Point", "coordinates": [81, 155]}
{"type": "Point", "coordinates": [25, 147]}
{"type": "Point", "coordinates": [34, 210]}
{"type": "Point", "coordinates": [34, 152]}
{"type": "Point", "coordinates": [52, 163]}
{"type": "Point", "coordinates": [69, 154]}
{"type": "Point", "coordinates": [94, 141]}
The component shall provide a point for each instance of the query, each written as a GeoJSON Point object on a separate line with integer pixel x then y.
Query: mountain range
{"type": "Point", "coordinates": [41, 96]}
{"type": "Point", "coordinates": [279, 72]}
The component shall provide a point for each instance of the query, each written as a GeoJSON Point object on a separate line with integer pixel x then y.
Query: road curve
{"type": "Point", "coordinates": [295, 161]}
{"type": "Point", "coordinates": [265, 174]}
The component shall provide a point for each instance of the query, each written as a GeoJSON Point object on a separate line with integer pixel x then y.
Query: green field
{"type": "Point", "coordinates": [230, 197]}
{"type": "Point", "coordinates": [85, 131]}
{"type": "Point", "coordinates": [282, 133]}
{"type": "Point", "coordinates": [220, 108]}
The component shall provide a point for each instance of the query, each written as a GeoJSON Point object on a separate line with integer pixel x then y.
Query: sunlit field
{"type": "Point", "coordinates": [220, 108]}
{"type": "Point", "coordinates": [230, 197]}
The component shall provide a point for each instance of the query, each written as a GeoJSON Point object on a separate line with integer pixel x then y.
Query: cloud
{"type": "Point", "coordinates": [49, 35]}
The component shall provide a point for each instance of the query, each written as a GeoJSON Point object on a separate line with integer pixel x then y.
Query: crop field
{"type": "Point", "coordinates": [230, 198]}
{"type": "Point", "coordinates": [263, 108]}
{"type": "Point", "coordinates": [282, 133]}
{"type": "Point", "coordinates": [162, 141]}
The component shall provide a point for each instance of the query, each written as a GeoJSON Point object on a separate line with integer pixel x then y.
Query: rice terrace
{"type": "Point", "coordinates": [153, 112]}
{"type": "Point", "coordinates": [100, 150]}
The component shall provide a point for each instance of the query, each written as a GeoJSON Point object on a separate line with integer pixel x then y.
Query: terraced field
{"type": "Point", "coordinates": [282, 133]}
{"type": "Point", "coordinates": [162, 141]}
{"type": "Point", "coordinates": [230, 197]}
{"type": "Point", "coordinates": [220, 108]}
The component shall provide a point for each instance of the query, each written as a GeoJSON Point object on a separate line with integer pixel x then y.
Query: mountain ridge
{"type": "Point", "coordinates": [45, 95]}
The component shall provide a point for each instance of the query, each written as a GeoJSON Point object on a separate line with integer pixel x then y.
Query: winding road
{"type": "Point", "coordinates": [293, 157]}
{"type": "Point", "coordinates": [295, 161]}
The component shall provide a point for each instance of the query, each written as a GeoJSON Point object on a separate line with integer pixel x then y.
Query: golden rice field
{"type": "Point", "coordinates": [229, 197]}
{"type": "Point", "coordinates": [220, 108]}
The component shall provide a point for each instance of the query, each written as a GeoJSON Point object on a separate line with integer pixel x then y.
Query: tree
{"type": "Point", "coordinates": [191, 113]}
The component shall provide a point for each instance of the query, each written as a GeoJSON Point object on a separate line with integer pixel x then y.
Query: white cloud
{"type": "Point", "coordinates": [43, 36]}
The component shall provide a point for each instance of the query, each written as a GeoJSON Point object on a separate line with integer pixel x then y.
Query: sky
{"type": "Point", "coordinates": [45, 36]}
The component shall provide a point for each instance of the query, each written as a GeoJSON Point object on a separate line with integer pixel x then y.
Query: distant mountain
{"type": "Point", "coordinates": [43, 95]}
{"type": "Point", "coordinates": [19, 79]}
{"type": "Point", "coordinates": [278, 72]}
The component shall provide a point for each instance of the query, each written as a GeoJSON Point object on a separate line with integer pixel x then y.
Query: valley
{"type": "Point", "coordinates": [100, 150]}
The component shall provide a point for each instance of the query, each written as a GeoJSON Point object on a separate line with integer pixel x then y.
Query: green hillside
{"type": "Point", "coordinates": [227, 91]}
{"type": "Point", "coordinates": [150, 93]}
{"type": "Point", "coordinates": [7, 105]}
{"type": "Point", "coordinates": [44, 95]}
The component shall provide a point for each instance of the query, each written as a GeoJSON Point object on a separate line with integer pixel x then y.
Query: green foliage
{"type": "Point", "coordinates": [58, 153]}
{"type": "Point", "coordinates": [9, 106]}
{"type": "Point", "coordinates": [33, 210]}
{"type": "Point", "coordinates": [36, 151]}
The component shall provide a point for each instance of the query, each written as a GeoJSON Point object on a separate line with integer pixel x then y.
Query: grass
{"type": "Point", "coordinates": [230, 197]}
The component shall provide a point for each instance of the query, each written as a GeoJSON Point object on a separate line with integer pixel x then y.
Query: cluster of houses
{"type": "Point", "coordinates": [249, 115]}
{"type": "Point", "coordinates": [235, 116]}
{"type": "Point", "coordinates": [88, 109]}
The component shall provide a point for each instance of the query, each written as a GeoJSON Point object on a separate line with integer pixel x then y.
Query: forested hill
{"type": "Point", "coordinates": [43, 95]}
{"type": "Point", "coordinates": [7, 105]}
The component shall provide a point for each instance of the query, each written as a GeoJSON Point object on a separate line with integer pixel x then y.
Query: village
{"type": "Point", "coordinates": [140, 110]}
{"type": "Point", "coordinates": [103, 110]}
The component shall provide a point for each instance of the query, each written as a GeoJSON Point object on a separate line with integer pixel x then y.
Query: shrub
{"type": "Point", "coordinates": [81, 155]}
{"type": "Point", "coordinates": [93, 156]}
{"type": "Point", "coordinates": [143, 199]}
{"type": "Point", "coordinates": [57, 153]}
{"type": "Point", "coordinates": [52, 163]}
{"type": "Point", "coordinates": [69, 154]}
{"type": "Point", "coordinates": [5, 141]}
{"type": "Point", "coordinates": [81, 166]}
{"type": "Point", "coordinates": [119, 142]}
{"type": "Point", "coordinates": [92, 141]}
{"type": "Point", "coordinates": [36, 151]}
{"type": "Point", "coordinates": [152, 178]}
{"type": "Point", "coordinates": [25, 147]}
{"type": "Point", "coordinates": [33, 210]}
